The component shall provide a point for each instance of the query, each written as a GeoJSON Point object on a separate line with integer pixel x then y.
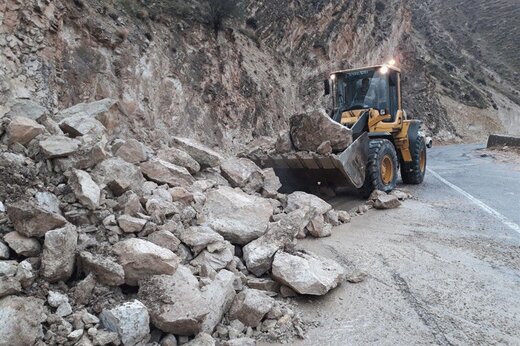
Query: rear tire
{"type": "Point", "coordinates": [413, 172]}
{"type": "Point", "coordinates": [382, 167]}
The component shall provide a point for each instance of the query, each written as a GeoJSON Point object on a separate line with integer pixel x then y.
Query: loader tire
{"type": "Point", "coordinates": [413, 172]}
{"type": "Point", "coordinates": [382, 167]}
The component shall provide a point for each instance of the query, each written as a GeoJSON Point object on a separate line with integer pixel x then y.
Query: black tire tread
{"type": "Point", "coordinates": [411, 171]}
{"type": "Point", "coordinates": [372, 178]}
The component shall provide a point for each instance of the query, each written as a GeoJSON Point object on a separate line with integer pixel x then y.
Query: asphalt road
{"type": "Point", "coordinates": [444, 268]}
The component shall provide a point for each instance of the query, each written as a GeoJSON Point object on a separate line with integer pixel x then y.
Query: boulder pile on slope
{"type": "Point", "coordinates": [105, 240]}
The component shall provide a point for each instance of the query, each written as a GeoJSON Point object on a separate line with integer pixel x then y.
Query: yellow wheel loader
{"type": "Point", "coordinates": [368, 101]}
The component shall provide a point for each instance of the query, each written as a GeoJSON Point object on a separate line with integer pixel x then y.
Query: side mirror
{"type": "Point", "coordinates": [326, 87]}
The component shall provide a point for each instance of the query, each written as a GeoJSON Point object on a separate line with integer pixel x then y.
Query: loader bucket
{"type": "Point", "coordinates": [305, 171]}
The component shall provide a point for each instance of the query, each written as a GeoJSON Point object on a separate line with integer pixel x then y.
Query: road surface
{"type": "Point", "coordinates": [443, 269]}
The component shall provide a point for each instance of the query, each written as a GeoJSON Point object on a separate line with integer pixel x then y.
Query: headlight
{"type": "Point", "coordinates": [332, 77]}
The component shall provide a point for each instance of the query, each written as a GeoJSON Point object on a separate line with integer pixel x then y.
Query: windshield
{"type": "Point", "coordinates": [361, 90]}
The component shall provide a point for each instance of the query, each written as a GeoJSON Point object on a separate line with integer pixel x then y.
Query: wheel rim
{"type": "Point", "coordinates": [422, 160]}
{"type": "Point", "coordinates": [387, 170]}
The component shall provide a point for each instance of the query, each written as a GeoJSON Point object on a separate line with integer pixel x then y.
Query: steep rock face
{"type": "Point", "coordinates": [171, 73]}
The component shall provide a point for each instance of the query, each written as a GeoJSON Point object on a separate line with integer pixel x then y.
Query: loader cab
{"type": "Point", "coordinates": [355, 91]}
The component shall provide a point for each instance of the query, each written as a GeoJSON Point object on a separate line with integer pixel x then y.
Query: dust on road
{"type": "Point", "coordinates": [439, 270]}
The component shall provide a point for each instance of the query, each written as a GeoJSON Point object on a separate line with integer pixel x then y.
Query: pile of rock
{"type": "Point", "coordinates": [112, 242]}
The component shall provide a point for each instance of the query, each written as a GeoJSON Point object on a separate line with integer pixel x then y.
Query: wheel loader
{"type": "Point", "coordinates": [368, 101]}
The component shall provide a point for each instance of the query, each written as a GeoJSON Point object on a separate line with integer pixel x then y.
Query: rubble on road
{"type": "Point", "coordinates": [131, 243]}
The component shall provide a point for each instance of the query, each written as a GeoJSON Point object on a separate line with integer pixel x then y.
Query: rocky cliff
{"type": "Point", "coordinates": [232, 77]}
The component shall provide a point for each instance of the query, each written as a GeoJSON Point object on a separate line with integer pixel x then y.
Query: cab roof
{"type": "Point", "coordinates": [391, 67]}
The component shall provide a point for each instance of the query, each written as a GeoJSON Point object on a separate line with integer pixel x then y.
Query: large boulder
{"type": "Point", "coordinates": [58, 146]}
{"type": "Point", "coordinates": [310, 130]}
{"type": "Point", "coordinates": [25, 246]}
{"type": "Point", "coordinates": [59, 250]}
{"type": "Point", "coordinates": [90, 109]}
{"type": "Point", "coordinates": [130, 224]}
{"type": "Point", "coordinates": [22, 130]}
{"type": "Point", "coordinates": [271, 183]}
{"type": "Point", "coordinates": [180, 158]}
{"type": "Point", "coordinates": [258, 254]}
{"type": "Point", "coordinates": [107, 271]}
{"type": "Point", "coordinates": [385, 201]}
{"type": "Point", "coordinates": [20, 320]}
{"type": "Point", "coordinates": [218, 295]}
{"type": "Point", "coordinates": [205, 156]}
{"type": "Point", "coordinates": [250, 306]}
{"type": "Point", "coordinates": [141, 259]}
{"type": "Point", "coordinates": [85, 189]}
{"type": "Point", "coordinates": [118, 175]}
{"type": "Point", "coordinates": [33, 219]}
{"type": "Point", "coordinates": [307, 273]}
{"type": "Point", "coordinates": [163, 172]}
{"type": "Point", "coordinates": [80, 125]}
{"type": "Point", "coordinates": [133, 151]}
{"type": "Point", "coordinates": [237, 216]}
{"type": "Point", "coordinates": [243, 173]}
{"type": "Point", "coordinates": [26, 108]}
{"type": "Point", "coordinates": [300, 199]}
{"type": "Point", "coordinates": [165, 239]}
{"type": "Point", "coordinates": [198, 237]}
{"type": "Point", "coordinates": [175, 302]}
{"type": "Point", "coordinates": [130, 321]}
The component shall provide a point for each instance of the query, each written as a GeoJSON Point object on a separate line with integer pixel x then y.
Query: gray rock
{"type": "Point", "coordinates": [58, 255]}
{"type": "Point", "coordinates": [28, 247]}
{"type": "Point", "coordinates": [4, 249]}
{"type": "Point", "coordinates": [300, 199]}
{"type": "Point", "coordinates": [310, 130]}
{"type": "Point", "coordinates": [168, 340]}
{"type": "Point", "coordinates": [307, 273]}
{"type": "Point", "coordinates": [324, 148]}
{"type": "Point", "coordinates": [343, 216]}
{"type": "Point", "coordinates": [180, 158]}
{"type": "Point", "coordinates": [85, 189]}
{"type": "Point", "coordinates": [217, 258]}
{"type": "Point", "coordinates": [55, 299]}
{"type": "Point", "coordinates": [133, 151]}
{"type": "Point", "coordinates": [205, 156]}
{"type": "Point", "coordinates": [103, 337]}
{"type": "Point", "coordinates": [26, 108]}
{"type": "Point", "coordinates": [250, 306]}
{"type": "Point", "coordinates": [258, 254]}
{"type": "Point", "coordinates": [105, 269]}
{"type": "Point", "coordinates": [25, 273]}
{"type": "Point", "coordinates": [22, 130]}
{"type": "Point", "coordinates": [318, 228]}
{"type": "Point", "coordinates": [9, 286]}
{"type": "Point", "coordinates": [263, 284]}
{"type": "Point", "coordinates": [202, 339]}
{"type": "Point", "coordinates": [174, 302]}
{"type": "Point", "coordinates": [20, 320]}
{"type": "Point", "coordinates": [80, 125]}
{"type": "Point", "coordinates": [118, 175]}
{"type": "Point", "coordinates": [8, 268]}
{"type": "Point", "coordinates": [130, 321]}
{"type": "Point", "coordinates": [237, 216]}
{"type": "Point", "coordinates": [58, 146]}
{"type": "Point", "coordinates": [48, 201]}
{"type": "Point", "coordinates": [198, 237]}
{"type": "Point", "coordinates": [240, 342]}
{"type": "Point", "coordinates": [271, 183]}
{"type": "Point", "coordinates": [90, 109]}
{"type": "Point", "coordinates": [141, 259]}
{"type": "Point", "coordinates": [386, 202]}
{"type": "Point", "coordinates": [218, 295]}
{"type": "Point", "coordinates": [130, 224]}
{"type": "Point", "coordinates": [243, 173]}
{"type": "Point", "coordinates": [165, 239]}
{"type": "Point", "coordinates": [163, 172]}
{"type": "Point", "coordinates": [33, 220]}
{"type": "Point", "coordinates": [283, 143]}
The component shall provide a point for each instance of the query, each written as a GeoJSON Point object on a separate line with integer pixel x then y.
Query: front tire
{"type": "Point", "coordinates": [382, 167]}
{"type": "Point", "coordinates": [413, 172]}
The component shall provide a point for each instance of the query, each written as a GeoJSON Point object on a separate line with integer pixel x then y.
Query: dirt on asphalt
{"type": "Point", "coordinates": [438, 270]}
